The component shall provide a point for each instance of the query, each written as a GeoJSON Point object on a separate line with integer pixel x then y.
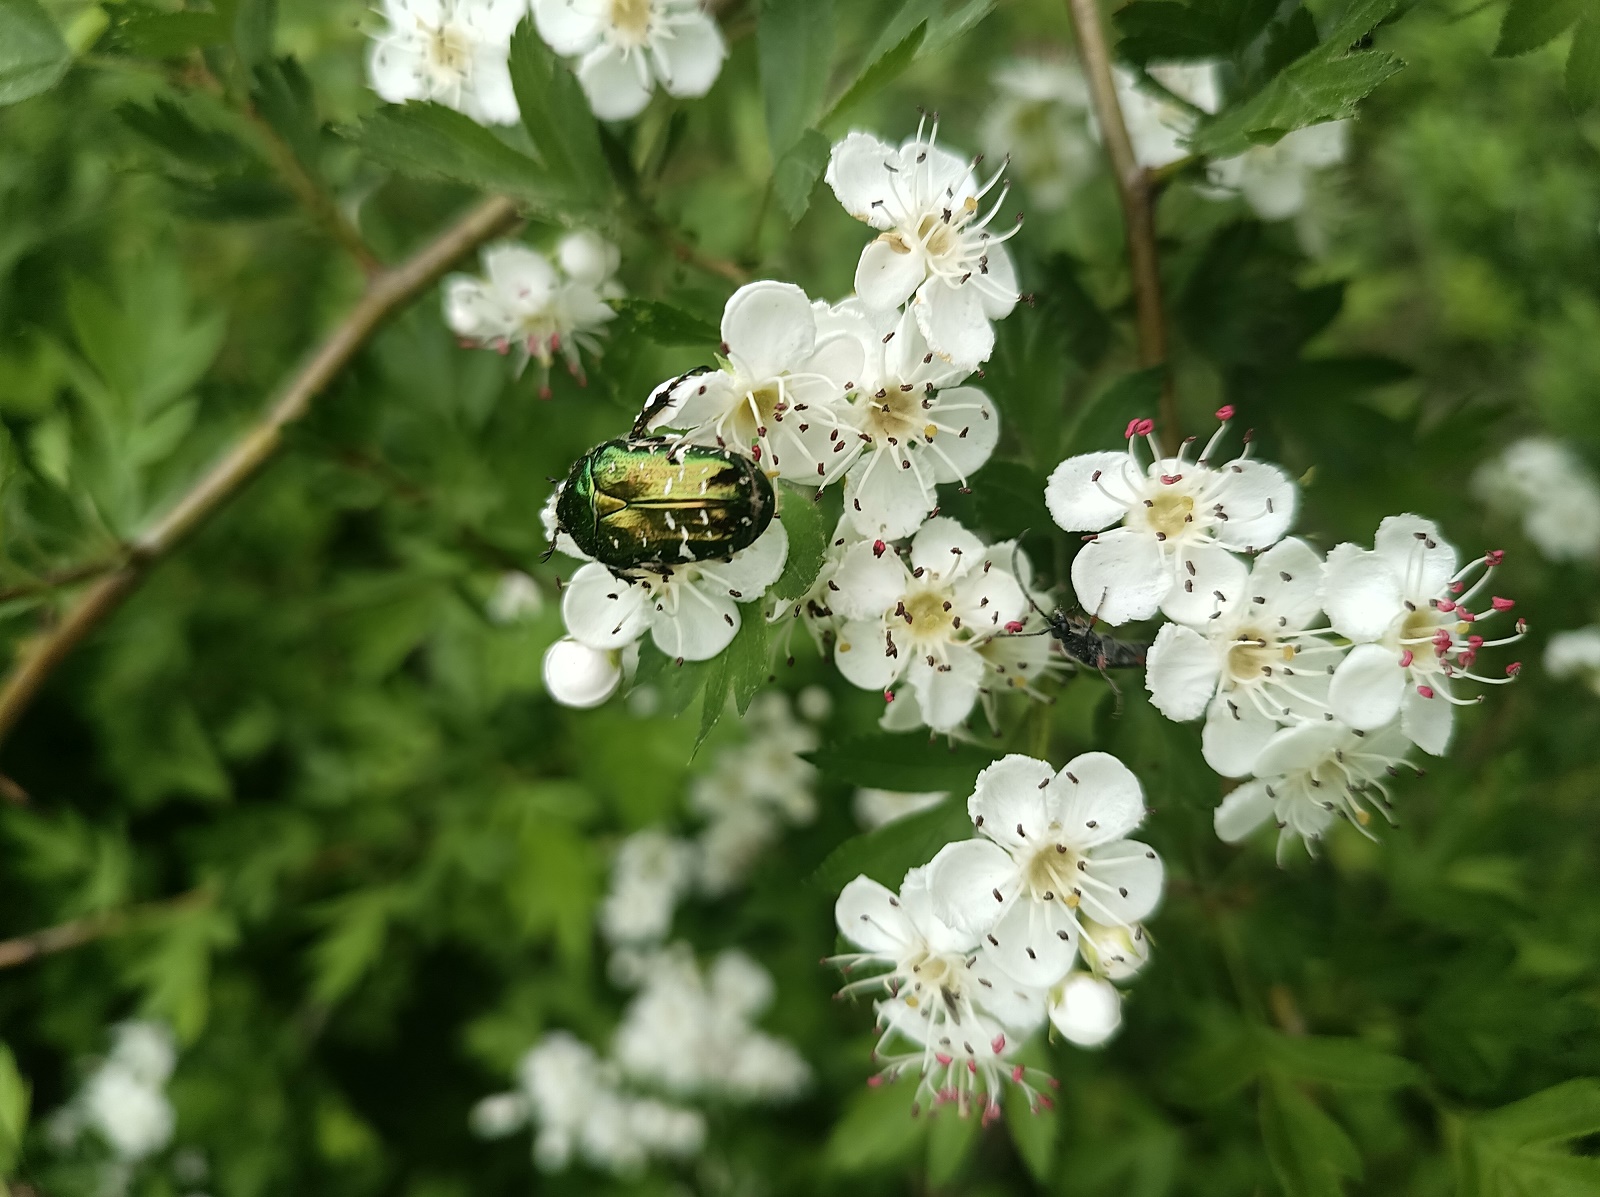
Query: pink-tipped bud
{"type": "Point", "coordinates": [1225, 412]}
{"type": "Point", "coordinates": [1494, 556]}
{"type": "Point", "coordinates": [1014, 626]}
{"type": "Point", "coordinates": [1502, 604]}
{"type": "Point", "coordinates": [1406, 658]}
{"type": "Point", "coordinates": [998, 1045]}
{"type": "Point", "coordinates": [1513, 669]}
{"type": "Point", "coordinates": [879, 548]}
{"type": "Point", "coordinates": [1425, 691]}
{"type": "Point", "coordinates": [1046, 1102]}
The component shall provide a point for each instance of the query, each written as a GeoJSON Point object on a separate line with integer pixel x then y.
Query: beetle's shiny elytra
{"type": "Point", "coordinates": [647, 501]}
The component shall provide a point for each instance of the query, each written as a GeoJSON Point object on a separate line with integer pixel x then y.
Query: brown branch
{"type": "Point", "coordinates": [1137, 197]}
{"type": "Point", "coordinates": [311, 195]}
{"type": "Point", "coordinates": [61, 577]}
{"type": "Point", "coordinates": [386, 293]}
{"type": "Point", "coordinates": [91, 927]}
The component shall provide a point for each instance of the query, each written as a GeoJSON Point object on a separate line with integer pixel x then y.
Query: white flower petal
{"type": "Point", "coordinates": [567, 28]}
{"type": "Point", "coordinates": [974, 426]}
{"type": "Point", "coordinates": [963, 879]}
{"type": "Point", "coordinates": [1033, 943]}
{"type": "Point", "coordinates": [888, 273]}
{"type": "Point", "coordinates": [1367, 687]}
{"type": "Point", "coordinates": [945, 549]}
{"type": "Point", "coordinates": [1124, 882]}
{"type": "Point", "coordinates": [1000, 295]}
{"type": "Point", "coordinates": [886, 502]}
{"type": "Point", "coordinates": [1259, 501]}
{"type": "Point", "coordinates": [522, 276]}
{"type": "Point", "coordinates": [769, 328]}
{"type": "Point", "coordinates": [1120, 576]}
{"type": "Point", "coordinates": [602, 611]}
{"type": "Point", "coordinates": [871, 917]}
{"type": "Point", "coordinates": [1019, 1008]}
{"type": "Point", "coordinates": [858, 172]}
{"type": "Point", "coordinates": [1208, 571]}
{"type": "Point", "coordinates": [1360, 592]}
{"type": "Point", "coordinates": [1008, 804]}
{"type": "Point", "coordinates": [1299, 748]}
{"type": "Point", "coordinates": [1181, 672]}
{"type": "Point", "coordinates": [395, 71]}
{"type": "Point", "coordinates": [691, 59]}
{"type": "Point", "coordinates": [952, 318]}
{"type": "Point", "coordinates": [1242, 811]}
{"type": "Point", "coordinates": [578, 676]}
{"type": "Point", "coordinates": [1289, 577]}
{"type": "Point", "coordinates": [1096, 799]}
{"type": "Point", "coordinates": [751, 570]}
{"type": "Point", "coordinates": [1427, 722]}
{"type": "Point", "coordinates": [1404, 542]}
{"type": "Point", "coordinates": [492, 100]}
{"type": "Point", "coordinates": [615, 91]}
{"type": "Point", "coordinates": [866, 583]}
{"type": "Point", "coordinates": [695, 623]}
{"type": "Point", "coordinates": [1087, 1011]}
{"type": "Point", "coordinates": [1235, 733]}
{"type": "Point", "coordinates": [947, 694]}
{"type": "Point", "coordinates": [861, 655]}
{"type": "Point", "coordinates": [1078, 501]}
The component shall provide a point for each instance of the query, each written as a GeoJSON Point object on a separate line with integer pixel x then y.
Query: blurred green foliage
{"type": "Point", "coordinates": [337, 836]}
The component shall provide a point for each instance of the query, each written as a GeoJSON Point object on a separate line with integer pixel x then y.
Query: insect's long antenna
{"type": "Point", "coordinates": [1016, 550]}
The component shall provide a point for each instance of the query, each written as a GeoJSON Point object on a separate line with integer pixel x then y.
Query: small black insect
{"type": "Point", "coordinates": [1074, 631]}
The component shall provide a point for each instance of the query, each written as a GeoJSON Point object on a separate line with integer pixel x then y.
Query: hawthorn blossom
{"type": "Point", "coordinates": [692, 611]}
{"type": "Point", "coordinates": [516, 597]}
{"type": "Point", "coordinates": [921, 619]}
{"type": "Point", "coordinates": [1052, 851]}
{"type": "Point", "coordinates": [781, 387]}
{"type": "Point", "coordinates": [581, 677]}
{"type": "Point", "coordinates": [1256, 663]}
{"type": "Point", "coordinates": [1575, 654]}
{"type": "Point", "coordinates": [1162, 117]}
{"type": "Point", "coordinates": [1309, 775]}
{"type": "Point", "coordinates": [1178, 525]}
{"type": "Point", "coordinates": [1275, 180]}
{"type": "Point", "coordinates": [1037, 122]}
{"type": "Point", "coordinates": [1544, 481]}
{"type": "Point", "coordinates": [1405, 605]}
{"type": "Point", "coordinates": [935, 250]}
{"type": "Point", "coordinates": [1086, 1009]}
{"type": "Point", "coordinates": [624, 47]}
{"type": "Point", "coordinates": [454, 52]}
{"type": "Point", "coordinates": [529, 307]}
{"type": "Point", "coordinates": [942, 995]}
{"type": "Point", "coordinates": [123, 1104]}
{"type": "Point", "coordinates": [651, 872]}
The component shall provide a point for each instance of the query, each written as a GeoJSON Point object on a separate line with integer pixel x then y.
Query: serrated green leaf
{"type": "Point", "coordinates": [283, 95]}
{"type": "Point", "coordinates": [356, 928]}
{"type": "Point", "coordinates": [172, 127]}
{"type": "Point", "coordinates": [907, 762]}
{"type": "Point", "coordinates": [807, 526]}
{"type": "Point", "coordinates": [1565, 1111]}
{"type": "Point", "coordinates": [1310, 1153]}
{"type": "Point", "coordinates": [1101, 424]}
{"type": "Point", "coordinates": [174, 967]}
{"type": "Point", "coordinates": [944, 31]}
{"type": "Point", "coordinates": [885, 853]}
{"type": "Point", "coordinates": [667, 325]}
{"type": "Point", "coordinates": [795, 177]}
{"type": "Point", "coordinates": [738, 671]}
{"type": "Point", "coordinates": [432, 141]}
{"type": "Point", "coordinates": [1583, 65]}
{"type": "Point", "coordinates": [156, 34]}
{"type": "Point", "coordinates": [255, 24]}
{"type": "Point", "coordinates": [879, 73]}
{"type": "Point", "coordinates": [33, 55]}
{"type": "Point", "coordinates": [1308, 93]}
{"type": "Point", "coordinates": [556, 114]}
{"type": "Point", "coordinates": [1529, 24]}
{"type": "Point", "coordinates": [15, 1096]}
{"type": "Point", "coordinates": [794, 43]}
{"type": "Point", "coordinates": [1347, 1063]}
{"type": "Point", "coordinates": [876, 1131]}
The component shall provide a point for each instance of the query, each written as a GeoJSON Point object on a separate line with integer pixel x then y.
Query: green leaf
{"type": "Point", "coordinates": [254, 25]}
{"type": "Point", "coordinates": [1035, 1132]}
{"type": "Point", "coordinates": [15, 1097]}
{"type": "Point", "coordinates": [1583, 65]}
{"type": "Point", "coordinates": [876, 1132]}
{"type": "Point", "coordinates": [885, 853]}
{"type": "Point", "coordinates": [795, 176]}
{"type": "Point", "coordinates": [807, 527]}
{"type": "Point", "coordinates": [154, 34]}
{"type": "Point", "coordinates": [357, 925]}
{"type": "Point", "coordinates": [1566, 1111]}
{"type": "Point", "coordinates": [33, 56]}
{"type": "Point", "coordinates": [284, 97]}
{"type": "Point", "coordinates": [556, 114]}
{"type": "Point", "coordinates": [667, 325]}
{"type": "Point", "coordinates": [1529, 24]}
{"type": "Point", "coordinates": [1347, 1063]}
{"type": "Point", "coordinates": [794, 42]}
{"type": "Point", "coordinates": [951, 1139]}
{"type": "Point", "coordinates": [740, 670]}
{"type": "Point", "coordinates": [1516, 1151]}
{"type": "Point", "coordinates": [175, 970]}
{"type": "Point", "coordinates": [1083, 329]}
{"type": "Point", "coordinates": [949, 29]}
{"type": "Point", "coordinates": [903, 762]}
{"type": "Point", "coordinates": [1310, 1153]}
{"type": "Point", "coordinates": [1102, 423]}
{"type": "Point", "coordinates": [174, 128]}
{"type": "Point", "coordinates": [430, 140]}
{"type": "Point", "coordinates": [880, 72]}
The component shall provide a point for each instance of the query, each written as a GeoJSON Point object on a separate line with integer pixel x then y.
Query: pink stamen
{"type": "Point", "coordinates": [1406, 658]}
{"type": "Point", "coordinates": [1445, 605]}
{"type": "Point", "coordinates": [1513, 669]}
{"type": "Point", "coordinates": [755, 452]}
{"type": "Point", "coordinates": [1494, 556]}
{"type": "Point", "coordinates": [1425, 691]}
{"type": "Point", "coordinates": [888, 696]}
{"type": "Point", "coordinates": [943, 1057]}
{"type": "Point", "coordinates": [1139, 427]}
{"type": "Point", "coordinates": [1502, 604]}
{"type": "Point", "coordinates": [1465, 615]}
{"type": "Point", "coordinates": [1016, 1073]}
{"type": "Point", "coordinates": [1457, 587]}
{"type": "Point", "coordinates": [875, 1080]}
{"type": "Point", "coordinates": [1170, 479]}
{"type": "Point", "coordinates": [1014, 626]}
{"type": "Point", "coordinates": [999, 1044]}
{"type": "Point", "coordinates": [1225, 412]}
{"type": "Point", "coordinates": [1474, 642]}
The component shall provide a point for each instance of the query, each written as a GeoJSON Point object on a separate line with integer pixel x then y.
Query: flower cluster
{"type": "Point", "coordinates": [533, 308]}
{"type": "Point", "coordinates": [1545, 483]}
{"type": "Point", "coordinates": [872, 392]}
{"type": "Point", "coordinates": [1315, 678]}
{"type": "Point", "coordinates": [456, 52]}
{"type": "Point", "coordinates": [1031, 920]}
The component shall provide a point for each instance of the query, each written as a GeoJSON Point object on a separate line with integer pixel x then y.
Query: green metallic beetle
{"type": "Point", "coordinates": [647, 502]}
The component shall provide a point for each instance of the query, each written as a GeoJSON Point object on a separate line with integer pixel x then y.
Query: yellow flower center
{"type": "Point", "coordinates": [631, 20]}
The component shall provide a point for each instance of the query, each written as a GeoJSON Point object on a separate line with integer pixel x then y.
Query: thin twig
{"type": "Point", "coordinates": [1135, 193]}
{"type": "Point", "coordinates": [386, 294]}
{"type": "Point", "coordinates": [61, 577]}
{"type": "Point", "coordinates": [91, 927]}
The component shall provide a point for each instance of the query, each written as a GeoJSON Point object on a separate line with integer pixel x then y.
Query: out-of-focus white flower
{"type": "Point", "coordinates": [578, 676]}
{"type": "Point", "coordinates": [650, 874]}
{"type": "Point", "coordinates": [693, 1035]}
{"type": "Point", "coordinates": [1404, 604]}
{"type": "Point", "coordinates": [499, 1115]}
{"type": "Point", "coordinates": [922, 619]}
{"type": "Point", "coordinates": [624, 47]}
{"type": "Point", "coordinates": [1275, 180]}
{"type": "Point", "coordinates": [692, 611]}
{"type": "Point", "coordinates": [527, 305]}
{"type": "Point", "coordinates": [1575, 654]}
{"type": "Point", "coordinates": [935, 250]}
{"type": "Point", "coordinates": [145, 1050]}
{"type": "Point", "coordinates": [1161, 119]}
{"type": "Point", "coordinates": [1037, 120]}
{"type": "Point", "coordinates": [783, 383]}
{"type": "Point", "coordinates": [1178, 525]}
{"type": "Point", "coordinates": [874, 808]}
{"type": "Point", "coordinates": [123, 1100]}
{"type": "Point", "coordinates": [453, 52]}
{"type": "Point", "coordinates": [1545, 482]}
{"type": "Point", "coordinates": [1086, 1009]}
{"type": "Point", "coordinates": [1309, 775]}
{"type": "Point", "coordinates": [1052, 850]}
{"type": "Point", "coordinates": [516, 597]}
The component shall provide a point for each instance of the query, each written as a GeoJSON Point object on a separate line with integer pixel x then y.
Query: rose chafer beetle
{"type": "Point", "coordinates": [649, 502]}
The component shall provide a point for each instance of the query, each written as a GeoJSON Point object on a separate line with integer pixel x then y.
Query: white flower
{"type": "Point", "coordinates": [578, 676]}
{"type": "Point", "coordinates": [1310, 774]}
{"type": "Point", "coordinates": [935, 250]}
{"type": "Point", "coordinates": [528, 306]}
{"type": "Point", "coordinates": [1554, 491]}
{"type": "Point", "coordinates": [1037, 121]}
{"type": "Point", "coordinates": [516, 597]}
{"type": "Point", "coordinates": [145, 1050]}
{"type": "Point", "coordinates": [1180, 523]}
{"type": "Point", "coordinates": [1161, 123]}
{"type": "Point", "coordinates": [1257, 662]}
{"type": "Point", "coordinates": [782, 384]}
{"type": "Point", "coordinates": [942, 994]}
{"type": "Point", "coordinates": [1052, 851]}
{"type": "Point", "coordinates": [650, 873]}
{"type": "Point", "coordinates": [691, 611]}
{"type": "Point", "coordinates": [1575, 654]}
{"type": "Point", "coordinates": [1275, 179]}
{"type": "Point", "coordinates": [693, 1035]}
{"type": "Point", "coordinates": [907, 428]}
{"type": "Point", "coordinates": [499, 1115]}
{"type": "Point", "coordinates": [1113, 952]}
{"type": "Point", "coordinates": [923, 619]}
{"type": "Point", "coordinates": [624, 47]}
{"type": "Point", "coordinates": [450, 51]}
{"type": "Point", "coordinates": [1086, 1009]}
{"type": "Point", "coordinates": [1405, 605]}
{"type": "Point", "coordinates": [130, 1112]}
{"type": "Point", "coordinates": [874, 808]}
